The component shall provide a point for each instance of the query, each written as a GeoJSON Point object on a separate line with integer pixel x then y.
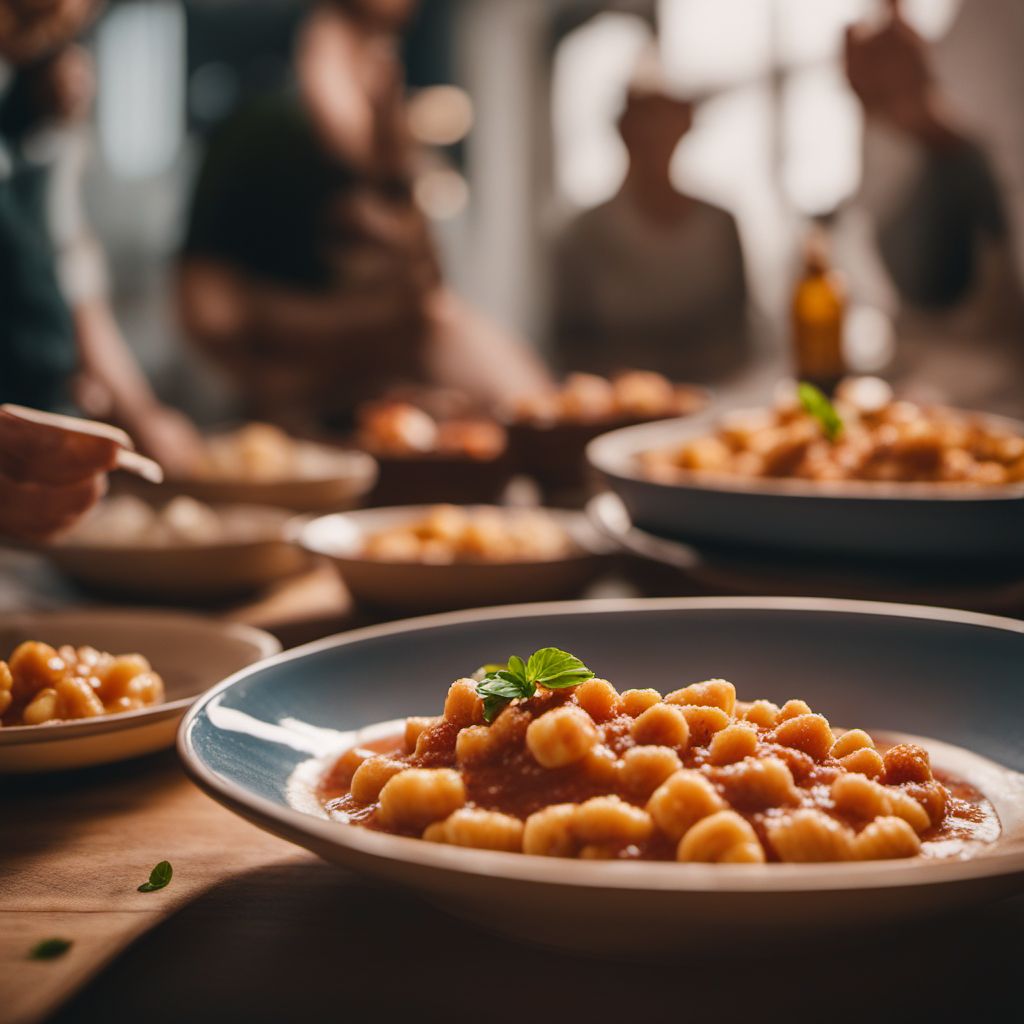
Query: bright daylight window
{"type": "Point", "coordinates": [777, 131]}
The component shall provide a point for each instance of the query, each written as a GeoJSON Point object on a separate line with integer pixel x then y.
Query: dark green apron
{"type": "Point", "coordinates": [37, 343]}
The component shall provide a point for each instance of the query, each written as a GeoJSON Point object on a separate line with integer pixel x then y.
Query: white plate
{"type": "Point", "coordinates": [256, 740]}
{"type": "Point", "coordinates": [189, 653]}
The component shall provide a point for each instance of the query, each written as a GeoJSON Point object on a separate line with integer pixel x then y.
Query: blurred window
{"type": "Point", "coordinates": [777, 131]}
{"type": "Point", "coordinates": [592, 66]}
{"type": "Point", "coordinates": [140, 49]}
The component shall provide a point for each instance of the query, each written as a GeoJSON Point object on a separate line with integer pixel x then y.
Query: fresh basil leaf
{"type": "Point", "coordinates": [493, 706]}
{"type": "Point", "coordinates": [548, 667]}
{"type": "Point", "coordinates": [502, 685]}
{"type": "Point", "coordinates": [517, 667]}
{"type": "Point", "coordinates": [816, 404]}
{"type": "Point", "coordinates": [159, 877]}
{"type": "Point", "coordinates": [499, 689]}
{"type": "Point", "coordinates": [556, 669]}
{"type": "Point", "coordinates": [49, 949]}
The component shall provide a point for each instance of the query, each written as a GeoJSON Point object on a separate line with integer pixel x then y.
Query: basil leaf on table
{"type": "Point", "coordinates": [159, 877]}
{"type": "Point", "coordinates": [49, 949]}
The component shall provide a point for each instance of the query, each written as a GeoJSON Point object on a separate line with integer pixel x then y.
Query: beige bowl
{"type": "Point", "coordinates": [190, 653]}
{"type": "Point", "coordinates": [187, 573]}
{"type": "Point", "coordinates": [345, 478]}
{"type": "Point", "coordinates": [425, 587]}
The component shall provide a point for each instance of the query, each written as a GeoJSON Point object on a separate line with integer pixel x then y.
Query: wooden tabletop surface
{"type": "Point", "coordinates": [253, 929]}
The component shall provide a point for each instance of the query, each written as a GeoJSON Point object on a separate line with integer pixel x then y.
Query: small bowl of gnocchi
{"type": "Point", "coordinates": [428, 558]}
{"type": "Point", "coordinates": [92, 687]}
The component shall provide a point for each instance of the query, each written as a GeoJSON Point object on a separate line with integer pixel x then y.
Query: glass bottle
{"type": "Point", "coordinates": [818, 311]}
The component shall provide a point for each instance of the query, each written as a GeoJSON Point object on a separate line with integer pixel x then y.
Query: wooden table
{"type": "Point", "coordinates": [253, 929]}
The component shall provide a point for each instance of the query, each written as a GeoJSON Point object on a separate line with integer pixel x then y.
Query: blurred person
{"type": "Point", "coordinates": [977, 62]}
{"type": "Point", "coordinates": [930, 223]}
{"type": "Point", "coordinates": [49, 477]}
{"type": "Point", "coordinates": [60, 341]}
{"type": "Point", "coordinates": [309, 273]}
{"type": "Point", "coordinates": [653, 278]}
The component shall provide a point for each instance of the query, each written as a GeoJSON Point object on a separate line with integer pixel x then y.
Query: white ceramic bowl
{"type": "Point", "coordinates": [257, 741]}
{"type": "Point", "coordinates": [187, 573]}
{"type": "Point", "coordinates": [417, 587]}
{"type": "Point", "coordinates": [853, 519]}
{"type": "Point", "coordinates": [345, 478]}
{"type": "Point", "coordinates": [190, 654]}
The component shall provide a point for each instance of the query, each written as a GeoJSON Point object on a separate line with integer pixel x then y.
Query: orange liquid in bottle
{"type": "Point", "coordinates": [818, 311]}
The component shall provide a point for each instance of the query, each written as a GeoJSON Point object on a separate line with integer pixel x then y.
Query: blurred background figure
{"type": "Point", "coordinates": [59, 341]}
{"type": "Point", "coordinates": [321, 197]}
{"type": "Point", "coordinates": [932, 212]}
{"type": "Point", "coordinates": [309, 272]}
{"type": "Point", "coordinates": [653, 278]}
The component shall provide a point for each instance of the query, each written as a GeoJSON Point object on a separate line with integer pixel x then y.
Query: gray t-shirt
{"type": "Point", "coordinates": [634, 293]}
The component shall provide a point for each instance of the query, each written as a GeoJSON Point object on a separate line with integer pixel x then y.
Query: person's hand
{"type": "Point", "coordinates": [889, 70]}
{"type": "Point", "coordinates": [49, 477]}
{"type": "Point", "coordinates": [887, 66]}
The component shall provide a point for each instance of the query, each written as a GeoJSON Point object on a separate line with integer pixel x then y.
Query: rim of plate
{"type": "Point", "coordinates": [76, 728]}
{"type": "Point", "coordinates": [615, 452]}
{"type": "Point", "coordinates": [651, 876]}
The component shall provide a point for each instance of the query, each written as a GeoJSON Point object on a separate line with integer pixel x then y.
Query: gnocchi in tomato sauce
{"type": "Point", "coordinates": [694, 775]}
{"type": "Point", "coordinates": [40, 684]}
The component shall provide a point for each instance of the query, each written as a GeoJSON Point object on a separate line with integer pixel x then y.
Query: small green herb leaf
{"type": "Point", "coordinates": [499, 689]}
{"type": "Point", "coordinates": [549, 667]}
{"type": "Point", "coordinates": [816, 404]}
{"type": "Point", "coordinates": [159, 877]}
{"type": "Point", "coordinates": [517, 667]}
{"type": "Point", "coordinates": [49, 949]}
{"type": "Point", "coordinates": [556, 669]}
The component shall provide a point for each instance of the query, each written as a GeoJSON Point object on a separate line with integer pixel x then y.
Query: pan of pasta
{"type": "Point", "coordinates": [676, 766]}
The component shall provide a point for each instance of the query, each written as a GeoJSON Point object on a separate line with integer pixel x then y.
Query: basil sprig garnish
{"type": "Point", "coordinates": [549, 667]}
{"type": "Point", "coordinates": [159, 877]}
{"type": "Point", "coordinates": [816, 404]}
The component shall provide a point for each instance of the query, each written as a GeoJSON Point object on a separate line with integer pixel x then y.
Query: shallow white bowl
{"type": "Point", "coordinates": [190, 654]}
{"type": "Point", "coordinates": [187, 573]}
{"type": "Point", "coordinates": [912, 522]}
{"type": "Point", "coordinates": [256, 742]}
{"type": "Point", "coordinates": [419, 587]}
{"type": "Point", "coordinates": [348, 476]}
